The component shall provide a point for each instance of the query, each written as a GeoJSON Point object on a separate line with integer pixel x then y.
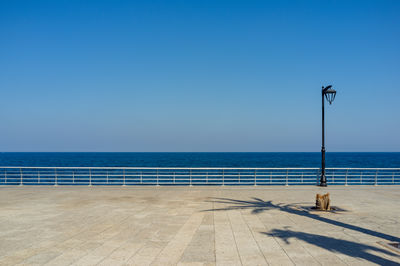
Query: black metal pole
{"type": "Point", "coordinates": [323, 177]}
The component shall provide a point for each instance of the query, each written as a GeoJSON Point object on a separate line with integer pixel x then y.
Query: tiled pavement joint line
{"type": "Point", "coordinates": [275, 240]}
{"type": "Point", "coordinates": [215, 244]}
{"type": "Point", "coordinates": [141, 252]}
{"type": "Point", "coordinates": [309, 251]}
{"type": "Point", "coordinates": [248, 249]}
{"type": "Point", "coordinates": [270, 247]}
{"type": "Point", "coordinates": [234, 238]}
{"type": "Point", "coordinates": [225, 244]}
{"type": "Point", "coordinates": [254, 237]}
{"type": "Point", "coordinates": [226, 252]}
{"type": "Point", "coordinates": [294, 250]}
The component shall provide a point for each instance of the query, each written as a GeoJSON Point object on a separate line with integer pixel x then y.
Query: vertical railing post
{"type": "Point", "coordinates": [107, 177]}
{"type": "Point", "coordinates": [255, 177]}
{"type": "Point", "coordinates": [361, 181]}
{"type": "Point", "coordinates": [21, 183]}
{"type": "Point", "coordinates": [90, 177]}
{"type": "Point", "coordinates": [302, 174]}
{"type": "Point", "coordinates": [5, 176]}
{"type": "Point", "coordinates": [157, 179]}
{"type": "Point", "coordinates": [38, 175]}
{"type": "Point", "coordinates": [239, 178]}
{"type": "Point", "coordinates": [393, 178]}
{"type": "Point", "coordinates": [206, 177]}
{"type": "Point", "coordinates": [190, 177]}
{"type": "Point", "coordinates": [223, 177]}
{"type": "Point", "coordinates": [345, 179]}
{"type": "Point", "coordinates": [270, 177]}
{"type": "Point", "coordinates": [376, 178]}
{"type": "Point", "coordinates": [73, 177]}
{"type": "Point", "coordinates": [287, 178]}
{"type": "Point", "coordinates": [123, 181]}
{"type": "Point", "coordinates": [55, 177]}
{"type": "Point", "coordinates": [141, 177]}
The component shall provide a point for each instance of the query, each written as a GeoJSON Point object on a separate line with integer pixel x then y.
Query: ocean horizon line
{"type": "Point", "coordinates": [198, 152]}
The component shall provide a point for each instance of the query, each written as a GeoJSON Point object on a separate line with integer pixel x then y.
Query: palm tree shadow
{"type": "Point", "coordinates": [335, 245]}
{"type": "Point", "coordinates": [257, 205]}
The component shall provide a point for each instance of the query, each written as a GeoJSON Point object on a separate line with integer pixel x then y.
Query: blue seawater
{"type": "Point", "coordinates": [201, 159]}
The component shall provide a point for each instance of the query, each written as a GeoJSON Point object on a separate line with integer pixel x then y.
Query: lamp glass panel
{"type": "Point", "coordinates": [330, 96]}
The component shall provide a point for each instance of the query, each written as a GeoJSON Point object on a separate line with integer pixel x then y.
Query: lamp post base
{"type": "Point", "coordinates": [322, 182]}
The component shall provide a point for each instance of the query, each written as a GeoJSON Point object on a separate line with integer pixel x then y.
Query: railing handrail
{"type": "Point", "coordinates": [166, 168]}
{"type": "Point", "coordinates": [197, 168]}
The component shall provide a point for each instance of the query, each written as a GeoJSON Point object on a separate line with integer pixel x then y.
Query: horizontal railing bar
{"type": "Point", "coordinates": [141, 168]}
{"type": "Point", "coordinates": [176, 175]}
{"type": "Point", "coordinates": [196, 168]}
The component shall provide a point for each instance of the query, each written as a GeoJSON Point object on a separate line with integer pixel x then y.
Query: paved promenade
{"type": "Point", "coordinates": [197, 226]}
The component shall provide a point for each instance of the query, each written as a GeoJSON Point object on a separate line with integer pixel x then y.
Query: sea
{"type": "Point", "coordinates": [200, 159]}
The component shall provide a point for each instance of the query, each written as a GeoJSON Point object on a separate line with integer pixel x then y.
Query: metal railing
{"type": "Point", "coordinates": [194, 176]}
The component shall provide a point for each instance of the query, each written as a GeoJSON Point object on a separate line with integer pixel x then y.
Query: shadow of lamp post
{"type": "Point", "coordinates": [329, 94]}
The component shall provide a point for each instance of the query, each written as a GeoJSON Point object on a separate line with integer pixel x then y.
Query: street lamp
{"type": "Point", "coordinates": [329, 94]}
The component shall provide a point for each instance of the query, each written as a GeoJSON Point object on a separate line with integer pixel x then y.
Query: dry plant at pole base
{"type": "Point", "coordinates": [322, 202]}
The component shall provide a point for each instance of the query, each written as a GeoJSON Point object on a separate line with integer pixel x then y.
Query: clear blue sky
{"type": "Point", "coordinates": [198, 75]}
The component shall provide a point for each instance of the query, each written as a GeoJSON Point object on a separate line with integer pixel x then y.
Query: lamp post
{"type": "Point", "coordinates": [329, 94]}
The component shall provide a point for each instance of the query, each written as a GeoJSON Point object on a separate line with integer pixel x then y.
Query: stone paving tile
{"type": "Point", "coordinates": [147, 254]}
{"type": "Point", "coordinates": [42, 258]}
{"type": "Point", "coordinates": [272, 251]}
{"type": "Point", "coordinates": [225, 245]}
{"type": "Point", "coordinates": [196, 226]}
{"type": "Point", "coordinates": [122, 254]}
{"type": "Point", "coordinates": [202, 247]}
{"type": "Point", "coordinates": [248, 248]}
{"type": "Point", "coordinates": [171, 254]}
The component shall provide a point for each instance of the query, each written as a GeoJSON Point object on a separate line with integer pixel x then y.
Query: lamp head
{"type": "Point", "coordinates": [329, 93]}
